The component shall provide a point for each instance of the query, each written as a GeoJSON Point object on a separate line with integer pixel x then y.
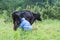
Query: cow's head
{"type": "Point", "coordinates": [37, 16]}
{"type": "Point", "coordinates": [16, 20]}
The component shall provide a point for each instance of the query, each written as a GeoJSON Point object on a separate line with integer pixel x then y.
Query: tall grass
{"type": "Point", "coordinates": [46, 30]}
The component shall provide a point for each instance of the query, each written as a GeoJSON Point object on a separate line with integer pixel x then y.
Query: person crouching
{"type": "Point", "coordinates": [25, 25]}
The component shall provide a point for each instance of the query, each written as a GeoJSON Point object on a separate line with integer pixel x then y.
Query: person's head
{"type": "Point", "coordinates": [22, 19]}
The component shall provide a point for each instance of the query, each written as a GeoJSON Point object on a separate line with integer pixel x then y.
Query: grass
{"type": "Point", "coordinates": [46, 30]}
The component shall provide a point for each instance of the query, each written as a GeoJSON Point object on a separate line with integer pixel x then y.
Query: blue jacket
{"type": "Point", "coordinates": [25, 24]}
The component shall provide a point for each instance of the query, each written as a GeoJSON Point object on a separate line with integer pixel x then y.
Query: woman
{"type": "Point", "coordinates": [25, 25]}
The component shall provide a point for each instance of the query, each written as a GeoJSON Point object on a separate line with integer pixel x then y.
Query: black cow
{"type": "Point", "coordinates": [28, 15]}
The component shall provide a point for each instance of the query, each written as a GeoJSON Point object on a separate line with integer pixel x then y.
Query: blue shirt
{"type": "Point", "coordinates": [25, 24]}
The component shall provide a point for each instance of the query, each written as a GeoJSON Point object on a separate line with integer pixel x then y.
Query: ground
{"type": "Point", "coordinates": [46, 30]}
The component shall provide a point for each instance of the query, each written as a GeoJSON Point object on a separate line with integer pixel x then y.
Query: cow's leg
{"type": "Point", "coordinates": [32, 20]}
{"type": "Point", "coordinates": [15, 26]}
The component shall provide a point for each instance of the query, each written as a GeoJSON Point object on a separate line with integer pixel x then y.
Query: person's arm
{"type": "Point", "coordinates": [22, 24]}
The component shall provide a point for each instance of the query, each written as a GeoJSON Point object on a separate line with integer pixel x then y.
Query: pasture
{"type": "Point", "coordinates": [46, 30]}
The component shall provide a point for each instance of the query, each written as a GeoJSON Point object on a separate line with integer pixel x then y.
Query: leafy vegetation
{"type": "Point", "coordinates": [48, 8]}
{"type": "Point", "coordinates": [48, 29]}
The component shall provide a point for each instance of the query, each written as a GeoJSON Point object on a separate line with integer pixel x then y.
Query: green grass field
{"type": "Point", "coordinates": [46, 30]}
